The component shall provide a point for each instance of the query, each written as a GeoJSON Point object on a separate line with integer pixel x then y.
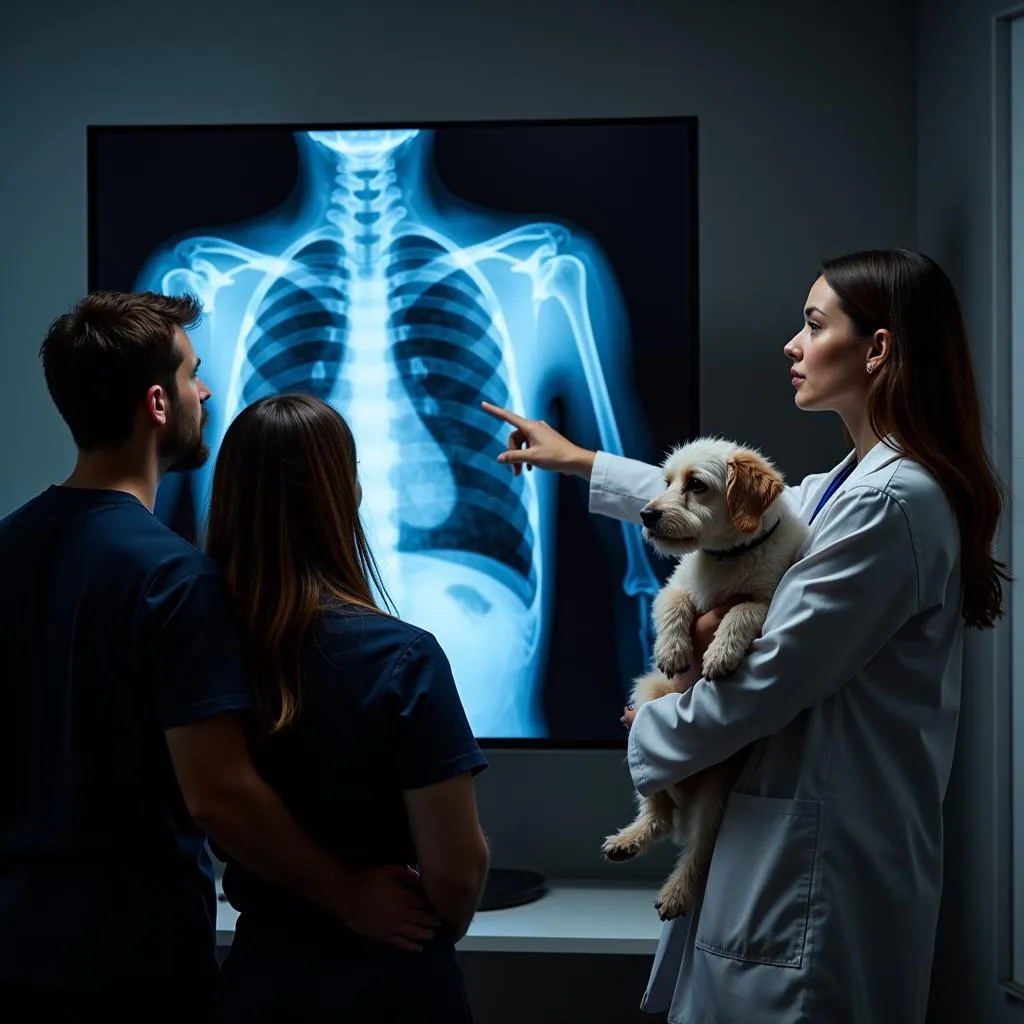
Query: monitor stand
{"type": "Point", "coordinates": [508, 887]}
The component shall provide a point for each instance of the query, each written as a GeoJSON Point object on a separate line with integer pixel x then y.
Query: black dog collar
{"type": "Point", "coordinates": [743, 548]}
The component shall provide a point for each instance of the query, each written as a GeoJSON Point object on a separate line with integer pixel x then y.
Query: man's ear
{"type": "Point", "coordinates": [156, 404]}
{"type": "Point", "coordinates": [751, 486]}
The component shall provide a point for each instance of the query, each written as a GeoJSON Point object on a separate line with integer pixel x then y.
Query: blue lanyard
{"type": "Point", "coordinates": [831, 489]}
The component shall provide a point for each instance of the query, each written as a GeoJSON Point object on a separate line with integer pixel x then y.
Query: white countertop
{"type": "Point", "coordinates": [573, 917]}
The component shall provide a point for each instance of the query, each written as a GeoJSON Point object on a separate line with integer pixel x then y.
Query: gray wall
{"type": "Point", "coordinates": [788, 174]}
{"type": "Point", "coordinates": [956, 219]}
{"type": "Point", "coordinates": [808, 115]}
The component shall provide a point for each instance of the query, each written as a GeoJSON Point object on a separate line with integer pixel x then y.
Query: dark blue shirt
{"type": "Point", "coordinates": [112, 630]}
{"type": "Point", "coordinates": [379, 714]}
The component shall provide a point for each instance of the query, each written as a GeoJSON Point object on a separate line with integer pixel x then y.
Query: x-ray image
{"type": "Point", "coordinates": [404, 275]}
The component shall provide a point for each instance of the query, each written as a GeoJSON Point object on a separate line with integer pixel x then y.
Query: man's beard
{"type": "Point", "coordinates": [184, 448]}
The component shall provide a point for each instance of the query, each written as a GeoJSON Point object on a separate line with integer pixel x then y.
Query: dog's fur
{"type": "Point", "coordinates": [725, 519]}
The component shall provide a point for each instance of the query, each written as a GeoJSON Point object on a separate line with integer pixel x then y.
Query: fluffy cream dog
{"type": "Point", "coordinates": [723, 516]}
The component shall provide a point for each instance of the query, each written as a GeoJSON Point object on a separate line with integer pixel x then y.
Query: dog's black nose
{"type": "Point", "coordinates": [650, 516]}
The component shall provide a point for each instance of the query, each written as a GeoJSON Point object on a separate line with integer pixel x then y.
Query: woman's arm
{"type": "Point", "coordinates": [619, 487]}
{"type": "Point", "coordinates": [451, 848]}
{"type": "Point", "coordinates": [436, 759]}
{"type": "Point", "coordinates": [831, 614]}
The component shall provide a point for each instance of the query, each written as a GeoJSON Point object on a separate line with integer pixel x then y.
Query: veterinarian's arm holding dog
{"type": "Point", "coordinates": [833, 611]}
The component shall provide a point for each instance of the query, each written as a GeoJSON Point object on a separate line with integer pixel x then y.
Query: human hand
{"type": "Point", "coordinates": [387, 904]}
{"type": "Point", "coordinates": [534, 443]}
{"type": "Point", "coordinates": [628, 715]}
{"type": "Point", "coordinates": [705, 626]}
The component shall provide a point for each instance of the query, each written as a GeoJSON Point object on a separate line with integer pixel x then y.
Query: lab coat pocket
{"type": "Point", "coordinates": [757, 902]}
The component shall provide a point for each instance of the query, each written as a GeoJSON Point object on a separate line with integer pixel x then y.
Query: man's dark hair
{"type": "Point", "coordinates": [101, 358]}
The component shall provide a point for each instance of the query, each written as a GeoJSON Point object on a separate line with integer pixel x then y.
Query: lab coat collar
{"type": "Point", "coordinates": [879, 456]}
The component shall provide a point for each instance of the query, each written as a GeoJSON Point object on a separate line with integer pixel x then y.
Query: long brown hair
{"type": "Point", "coordinates": [926, 397]}
{"type": "Point", "coordinates": [284, 527]}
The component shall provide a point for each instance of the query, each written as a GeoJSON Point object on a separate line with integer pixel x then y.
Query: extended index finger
{"type": "Point", "coordinates": [505, 414]}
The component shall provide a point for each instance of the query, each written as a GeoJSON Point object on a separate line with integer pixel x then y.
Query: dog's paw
{"type": "Point", "coordinates": [673, 655]}
{"type": "Point", "coordinates": [672, 901]}
{"type": "Point", "coordinates": [620, 848]}
{"type": "Point", "coordinates": [721, 658]}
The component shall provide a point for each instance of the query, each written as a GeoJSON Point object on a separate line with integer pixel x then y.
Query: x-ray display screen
{"type": "Point", "coordinates": [405, 273]}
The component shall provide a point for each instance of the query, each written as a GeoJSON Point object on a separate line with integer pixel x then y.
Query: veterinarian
{"type": "Point", "coordinates": [824, 889]}
{"type": "Point", "coordinates": [361, 731]}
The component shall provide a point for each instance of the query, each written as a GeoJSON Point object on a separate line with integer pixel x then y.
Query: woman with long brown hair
{"type": "Point", "coordinates": [823, 894]}
{"type": "Point", "coordinates": [360, 730]}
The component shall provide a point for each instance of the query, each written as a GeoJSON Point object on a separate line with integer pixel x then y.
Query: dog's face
{"type": "Point", "coordinates": [716, 496]}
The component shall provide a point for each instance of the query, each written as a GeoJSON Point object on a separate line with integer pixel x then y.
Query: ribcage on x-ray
{"type": "Point", "coordinates": [298, 340]}
{"type": "Point", "coordinates": [449, 358]}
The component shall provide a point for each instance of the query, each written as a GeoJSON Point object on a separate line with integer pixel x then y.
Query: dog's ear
{"type": "Point", "coordinates": [751, 486]}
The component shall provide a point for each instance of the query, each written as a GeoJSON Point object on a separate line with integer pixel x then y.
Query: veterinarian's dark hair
{"type": "Point", "coordinates": [925, 395]}
{"type": "Point", "coordinates": [101, 358]}
{"type": "Point", "coordinates": [284, 528]}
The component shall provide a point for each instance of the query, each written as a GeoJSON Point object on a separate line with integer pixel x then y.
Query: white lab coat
{"type": "Point", "coordinates": [823, 894]}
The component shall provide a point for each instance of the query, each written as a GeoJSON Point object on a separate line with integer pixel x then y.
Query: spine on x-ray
{"type": "Point", "coordinates": [381, 319]}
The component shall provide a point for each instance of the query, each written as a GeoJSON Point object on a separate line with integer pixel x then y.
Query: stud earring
{"type": "Point", "coordinates": [872, 367]}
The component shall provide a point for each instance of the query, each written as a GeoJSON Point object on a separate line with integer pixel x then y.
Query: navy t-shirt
{"type": "Point", "coordinates": [112, 629]}
{"type": "Point", "coordinates": [380, 714]}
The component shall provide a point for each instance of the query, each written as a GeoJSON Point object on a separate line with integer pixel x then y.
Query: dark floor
{"type": "Point", "coordinates": [554, 988]}
{"type": "Point", "coordinates": [557, 988]}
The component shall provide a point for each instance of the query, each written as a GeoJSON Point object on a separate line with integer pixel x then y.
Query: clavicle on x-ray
{"type": "Point", "coordinates": [404, 308]}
